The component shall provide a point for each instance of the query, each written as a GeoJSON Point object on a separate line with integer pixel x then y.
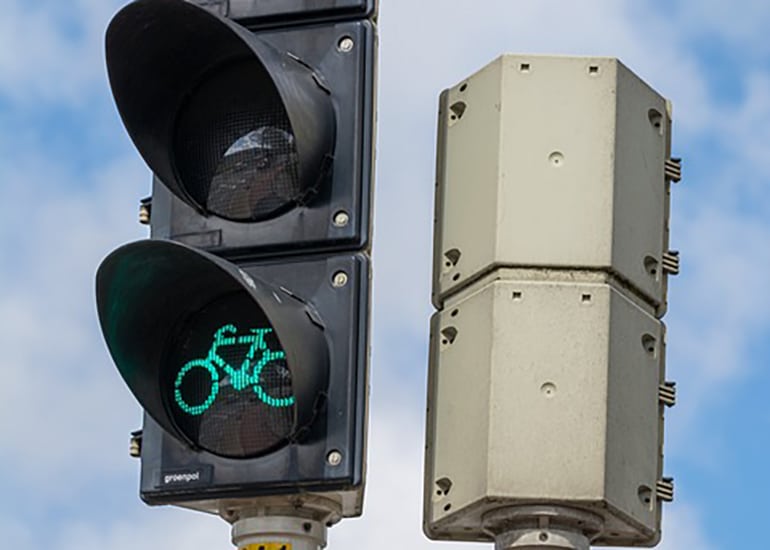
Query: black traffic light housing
{"type": "Point", "coordinates": [241, 327]}
{"type": "Point", "coordinates": [323, 322]}
{"type": "Point", "coordinates": [184, 108]}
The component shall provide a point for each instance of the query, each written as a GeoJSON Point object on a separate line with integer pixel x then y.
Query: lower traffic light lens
{"type": "Point", "coordinates": [227, 384]}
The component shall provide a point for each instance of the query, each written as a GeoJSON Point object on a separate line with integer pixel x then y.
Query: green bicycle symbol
{"type": "Point", "coordinates": [240, 379]}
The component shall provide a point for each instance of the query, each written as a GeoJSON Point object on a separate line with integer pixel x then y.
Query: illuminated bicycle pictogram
{"type": "Point", "coordinates": [247, 376]}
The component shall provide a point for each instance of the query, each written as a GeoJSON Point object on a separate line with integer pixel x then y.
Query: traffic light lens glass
{"type": "Point", "coordinates": [227, 384]}
{"type": "Point", "coordinates": [234, 148]}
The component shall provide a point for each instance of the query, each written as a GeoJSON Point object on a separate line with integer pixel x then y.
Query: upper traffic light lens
{"type": "Point", "coordinates": [234, 147]}
{"type": "Point", "coordinates": [226, 381]}
{"type": "Point", "coordinates": [235, 126]}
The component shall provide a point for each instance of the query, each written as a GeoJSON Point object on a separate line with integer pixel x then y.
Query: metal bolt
{"type": "Point", "coordinates": [340, 279]}
{"type": "Point", "coordinates": [341, 218]}
{"type": "Point", "coordinates": [345, 44]}
{"type": "Point", "coordinates": [334, 458]}
{"type": "Point", "coordinates": [135, 445]}
{"type": "Point", "coordinates": [145, 211]}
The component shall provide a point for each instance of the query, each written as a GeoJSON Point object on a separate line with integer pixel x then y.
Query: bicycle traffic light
{"type": "Point", "coordinates": [264, 362]}
{"type": "Point", "coordinates": [241, 326]}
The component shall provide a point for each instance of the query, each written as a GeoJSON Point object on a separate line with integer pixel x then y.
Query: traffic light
{"type": "Point", "coordinates": [551, 261]}
{"type": "Point", "coordinates": [241, 325]}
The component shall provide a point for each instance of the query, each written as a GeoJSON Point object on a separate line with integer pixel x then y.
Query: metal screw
{"type": "Point", "coordinates": [340, 279]}
{"type": "Point", "coordinates": [341, 218]}
{"type": "Point", "coordinates": [135, 445]}
{"type": "Point", "coordinates": [345, 44]}
{"type": "Point", "coordinates": [145, 210]}
{"type": "Point", "coordinates": [334, 458]}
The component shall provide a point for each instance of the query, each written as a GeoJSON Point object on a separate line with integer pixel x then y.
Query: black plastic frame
{"type": "Point", "coordinates": [173, 472]}
{"type": "Point", "coordinates": [350, 76]}
{"type": "Point", "coordinates": [288, 11]}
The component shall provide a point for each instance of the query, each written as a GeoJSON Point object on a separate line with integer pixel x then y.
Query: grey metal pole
{"type": "Point", "coordinates": [542, 528]}
{"type": "Point", "coordinates": [542, 539]}
{"type": "Point", "coordinates": [282, 532]}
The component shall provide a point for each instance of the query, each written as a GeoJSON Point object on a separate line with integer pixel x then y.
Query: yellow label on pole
{"type": "Point", "coordinates": [267, 546]}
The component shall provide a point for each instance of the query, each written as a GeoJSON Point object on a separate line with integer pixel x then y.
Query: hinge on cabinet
{"type": "Point", "coordinates": [673, 169]}
{"type": "Point", "coordinates": [667, 393]}
{"type": "Point", "coordinates": [671, 262]}
{"type": "Point", "coordinates": [664, 489]}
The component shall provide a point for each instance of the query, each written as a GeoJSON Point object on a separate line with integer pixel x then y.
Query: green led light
{"type": "Point", "coordinates": [247, 375]}
{"type": "Point", "coordinates": [196, 409]}
{"type": "Point", "coordinates": [268, 356]}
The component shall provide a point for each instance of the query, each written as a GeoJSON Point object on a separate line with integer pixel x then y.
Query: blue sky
{"type": "Point", "coordinates": [70, 183]}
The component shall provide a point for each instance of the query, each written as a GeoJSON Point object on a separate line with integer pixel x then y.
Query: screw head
{"type": "Point", "coordinates": [334, 458]}
{"type": "Point", "coordinates": [134, 450]}
{"type": "Point", "coordinates": [340, 279]}
{"type": "Point", "coordinates": [144, 214]}
{"type": "Point", "coordinates": [345, 44]}
{"type": "Point", "coordinates": [341, 218]}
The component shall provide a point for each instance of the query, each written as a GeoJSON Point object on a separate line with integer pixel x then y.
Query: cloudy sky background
{"type": "Point", "coordinates": [70, 182]}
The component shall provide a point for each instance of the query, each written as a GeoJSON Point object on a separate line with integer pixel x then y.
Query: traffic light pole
{"type": "Point", "coordinates": [542, 528]}
{"type": "Point", "coordinates": [282, 522]}
{"type": "Point", "coordinates": [279, 532]}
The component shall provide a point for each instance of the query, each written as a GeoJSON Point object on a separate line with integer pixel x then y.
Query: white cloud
{"type": "Point", "coordinates": [745, 130]}
{"type": "Point", "coordinates": [719, 310]}
{"type": "Point", "coordinates": [165, 529]}
{"type": "Point", "coordinates": [58, 377]}
{"type": "Point", "coordinates": [157, 529]}
{"type": "Point", "coordinates": [738, 26]}
{"type": "Point", "coordinates": [52, 51]}
{"type": "Point", "coordinates": [683, 528]}
{"type": "Point", "coordinates": [725, 302]}
{"type": "Point", "coordinates": [16, 534]}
